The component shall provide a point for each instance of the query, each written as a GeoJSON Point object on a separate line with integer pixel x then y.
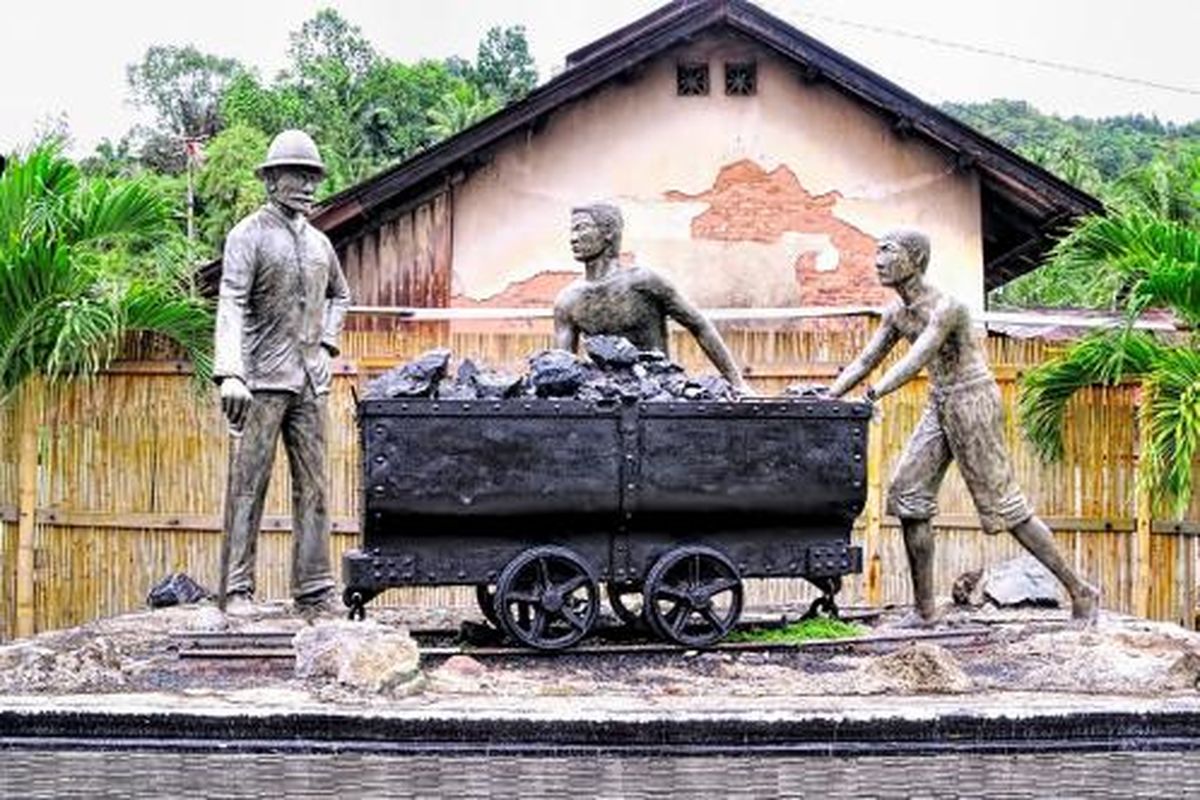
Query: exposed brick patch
{"type": "Point", "coordinates": [747, 203]}
{"type": "Point", "coordinates": [536, 292]}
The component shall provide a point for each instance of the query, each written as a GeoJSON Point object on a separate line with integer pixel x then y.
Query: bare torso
{"type": "Point", "coordinates": [959, 358]}
{"type": "Point", "coordinates": [623, 303]}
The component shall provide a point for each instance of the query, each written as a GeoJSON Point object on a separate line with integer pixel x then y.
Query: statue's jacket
{"type": "Point", "coordinates": [282, 296]}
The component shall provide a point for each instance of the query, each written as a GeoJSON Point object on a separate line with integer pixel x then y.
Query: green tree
{"type": "Point", "coordinates": [504, 68]}
{"type": "Point", "coordinates": [458, 110]}
{"type": "Point", "coordinates": [183, 87]}
{"type": "Point", "coordinates": [1168, 187]}
{"type": "Point", "coordinates": [1152, 261]}
{"type": "Point", "coordinates": [227, 187]}
{"type": "Point", "coordinates": [329, 38]}
{"type": "Point", "coordinates": [83, 263]}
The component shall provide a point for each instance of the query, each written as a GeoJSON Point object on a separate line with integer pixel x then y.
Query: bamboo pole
{"type": "Point", "coordinates": [27, 473]}
{"type": "Point", "coordinates": [873, 531]}
{"type": "Point", "coordinates": [1141, 573]}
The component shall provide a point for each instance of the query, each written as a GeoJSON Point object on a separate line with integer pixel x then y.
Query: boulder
{"type": "Point", "coordinates": [176, 589]}
{"type": "Point", "coordinates": [363, 656]}
{"type": "Point", "coordinates": [1021, 581]}
{"type": "Point", "coordinates": [417, 378]}
{"type": "Point", "coordinates": [614, 352]}
{"type": "Point", "coordinates": [492, 385]}
{"type": "Point", "coordinates": [556, 373]}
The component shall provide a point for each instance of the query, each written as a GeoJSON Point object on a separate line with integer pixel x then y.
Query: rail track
{"type": "Point", "coordinates": [482, 642]}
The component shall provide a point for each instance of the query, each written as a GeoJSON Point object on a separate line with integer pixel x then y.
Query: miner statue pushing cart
{"type": "Point", "coordinates": [283, 298]}
{"type": "Point", "coordinates": [962, 421]}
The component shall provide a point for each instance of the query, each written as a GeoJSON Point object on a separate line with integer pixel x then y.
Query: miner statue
{"type": "Point", "coordinates": [635, 302]}
{"type": "Point", "coordinates": [282, 301]}
{"type": "Point", "coordinates": [962, 421]}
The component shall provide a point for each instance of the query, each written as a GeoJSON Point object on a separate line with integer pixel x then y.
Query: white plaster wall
{"type": "Point", "coordinates": [630, 144]}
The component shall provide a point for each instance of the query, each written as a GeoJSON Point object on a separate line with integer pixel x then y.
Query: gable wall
{"type": "Point", "coordinates": [764, 201]}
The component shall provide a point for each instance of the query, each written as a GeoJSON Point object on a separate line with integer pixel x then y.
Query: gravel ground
{"type": "Point", "coordinates": [1033, 651]}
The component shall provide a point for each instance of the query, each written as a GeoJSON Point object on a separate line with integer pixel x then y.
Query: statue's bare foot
{"type": "Point", "coordinates": [1085, 606]}
{"type": "Point", "coordinates": [920, 620]}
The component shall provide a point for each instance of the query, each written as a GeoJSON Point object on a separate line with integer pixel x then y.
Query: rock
{"type": "Point", "coordinates": [464, 666]}
{"type": "Point", "coordinates": [611, 351]}
{"type": "Point", "coordinates": [919, 668]}
{"type": "Point", "coordinates": [457, 391]}
{"type": "Point", "coordinates": [1021, 581]}
{"type": "Point", "coordinates": [176, 589]}
{"type": "Point", "coordinates": [1184, 673]}
{"type": "Point", "coordinates": [417, 378]}
{"type": "Point", "coordinates": [618, 371]}
{"type": "Point", "coordinates": [967, 590]}
{"type": "Point", "coordinates": [806, 390]}
{"type": "Point", "coordinates": [467, 371]}
{"type": "Point", "coordinates": [207, 619]}
{"type": "Point", "coordinates": [363, 656]}
{"type": "Point", "coordinates": [493, 385]}
{"type": "Point", "coordinates": [556, 373]}
{"type": "Point", "coordinates": [708, 388]}
{"type": "Point", "coordinates": [461, 675]}
{"type": "Point", "coordinates": [95, 665]}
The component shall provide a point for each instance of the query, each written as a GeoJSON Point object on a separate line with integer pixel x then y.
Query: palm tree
{"type": "Point", "coordinates": [459, 109]}
{"type": "Point", "coordinates": [1148, 246]}
{"type": "Point", "coordinates": [83, 263]}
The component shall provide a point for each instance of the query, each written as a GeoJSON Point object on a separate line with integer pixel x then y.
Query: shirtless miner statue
{"type": "Point", "coordinates": [962, 421]}
{"type": "Point", "coordinates": [634, 302]}
{"type": "Point", "coordinates": [282, 301]}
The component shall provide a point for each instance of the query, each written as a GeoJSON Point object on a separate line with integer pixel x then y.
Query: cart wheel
{"type": "Point", "coordinates": [547, 598]}
{"type": "Point", "coordinates": [626, 602]}
{"type": "Point", "coordinates": [693, 596]}
{"type": "Point", "coordinates": [485, 596]}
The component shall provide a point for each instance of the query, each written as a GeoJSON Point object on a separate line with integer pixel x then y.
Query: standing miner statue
{"type": "Point", "coordinates": [282, 301]}
{"type": "Point", "coordinates": [962, 421]}
{"type": "Point", "coordinates": [634, 303]}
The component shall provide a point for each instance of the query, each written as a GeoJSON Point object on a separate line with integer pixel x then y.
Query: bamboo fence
{"type": "Point", "coordinates": [111, 483]}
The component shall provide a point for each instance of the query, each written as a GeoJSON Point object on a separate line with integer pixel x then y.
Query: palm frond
{"type": "Point", "coordinates": [81, 265]}
{"type": "Point", "coordinates": [186, 319]}
{"type": "Point", "coordinates": [109, 210]}
{"type": "Point", "coordinates": [1173, 443]}
{"type": "Point", "coordinates": [1106, 358]}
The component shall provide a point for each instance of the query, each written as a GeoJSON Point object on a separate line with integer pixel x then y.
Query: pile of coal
{"type": "Point", "coordinates": [614, 370]}
{"type": "Point", "coordinates": [807, 391]}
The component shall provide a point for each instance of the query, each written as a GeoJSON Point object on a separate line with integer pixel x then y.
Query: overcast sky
{"type": "Point", "coordinates": [70, 57]}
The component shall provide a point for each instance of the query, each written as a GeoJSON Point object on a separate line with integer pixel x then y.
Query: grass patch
{"type": "Point", "coordinates": [796, 632]}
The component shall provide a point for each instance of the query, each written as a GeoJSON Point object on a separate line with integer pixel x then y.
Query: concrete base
{"type": "Point", "coordinates": [291, 721]}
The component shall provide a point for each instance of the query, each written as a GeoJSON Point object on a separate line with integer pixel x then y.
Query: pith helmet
{"type": "Point", "coordinates": [292, 148]}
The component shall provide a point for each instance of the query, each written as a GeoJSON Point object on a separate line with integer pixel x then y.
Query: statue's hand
{"type": "Point", "coordinates": [872, 397]}
{"type": "Point", "coordinates": [235, 401]}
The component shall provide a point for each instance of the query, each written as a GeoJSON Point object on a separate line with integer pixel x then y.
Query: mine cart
{"type": "Point", "coordinates": [666, 505]}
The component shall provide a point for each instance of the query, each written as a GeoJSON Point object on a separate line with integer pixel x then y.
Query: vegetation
{"type": "Point", "coordinates": [797, 632]}
{"type": "Point", "coordinates": [364, 110]}
{"type": "Point", "coordinates": [92, 252]}
{"type": "Point", "coordinates": [1089, 152]}
{"type": "Point", "coordinates": [1146, 251]}
{"type": "Point", "coordinates": [83, 262]}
